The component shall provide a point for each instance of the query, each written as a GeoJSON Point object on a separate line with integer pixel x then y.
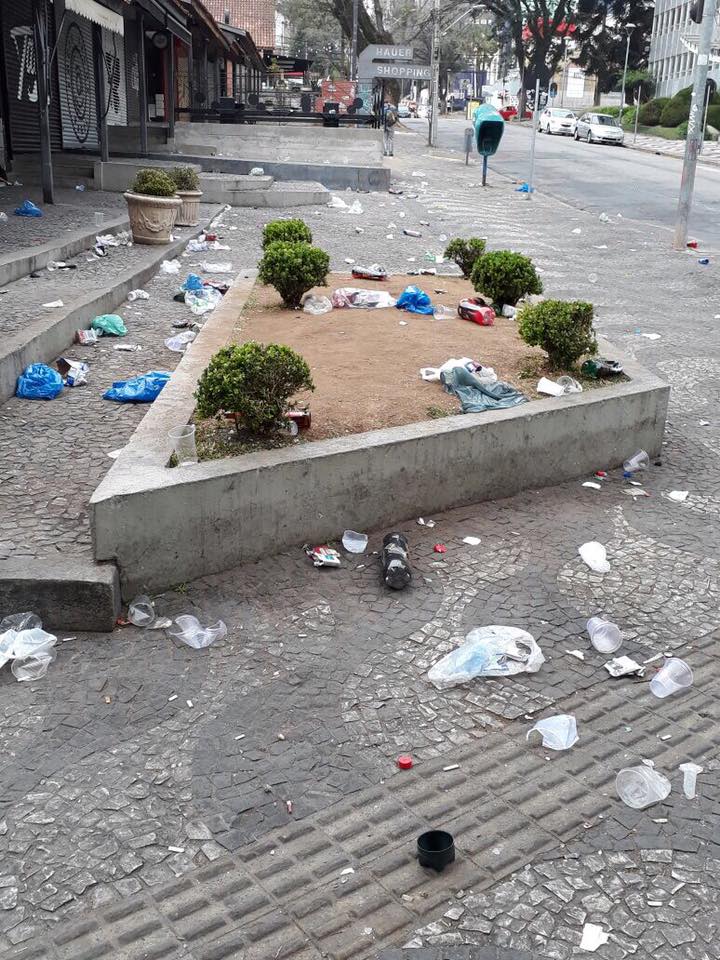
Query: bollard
{"type": "Point", "coordinates": [469, 137]}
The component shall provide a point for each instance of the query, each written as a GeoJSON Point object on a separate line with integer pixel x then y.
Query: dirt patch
{"type": "Point", "coordinates": [365, 363]}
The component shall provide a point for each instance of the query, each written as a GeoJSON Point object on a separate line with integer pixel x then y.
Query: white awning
{"type": "Point", "coordinates": [97, 14]}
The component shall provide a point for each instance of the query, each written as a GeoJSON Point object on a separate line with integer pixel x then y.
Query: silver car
{"type": "Point", "coordinates": [599, 128]}
{"type": "Point", "coordinates": [557, 120]}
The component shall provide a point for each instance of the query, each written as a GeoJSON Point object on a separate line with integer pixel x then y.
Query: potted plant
{"type": "Point", "coordinates": [187, 184]}
{"type": "Point", "coordinates": [152, 206]}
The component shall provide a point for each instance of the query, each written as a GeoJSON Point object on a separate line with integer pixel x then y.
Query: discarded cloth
{"type": "Point", "coordinates": [365, 299]}
{"type": "Point", "coordinates": [109, 325]}
{"type": "Point", "coordinates": [494, 651]}
{"type": "Point", "coordinates": [476, 395]}
{"type": "Point", "coordinates": [39, 382]}
{"type": "Point", "coordinates": [414, 300]}
{"type": "Point", "coordinates": [142, 389]}
{"type": "Point", "coordinates": [485, 374]}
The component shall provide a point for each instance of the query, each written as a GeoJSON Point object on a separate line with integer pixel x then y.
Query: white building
{"type": "Point", "coordinates": [673, 46]}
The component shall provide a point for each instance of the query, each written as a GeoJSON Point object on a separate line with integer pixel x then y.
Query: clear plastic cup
{"type": "Point", "coordinates": [183, 441]}
{"type": "Point", "coordinates": [441, 312]}
{"type": "Point", "coordinates": [99, 218]}
{"type": "Point", "coordinates": [672, 677]}
{"type": "Point", "coordinates": [605, 636]}
{"type": "Point", "coordinates": [639, 461]}
{"type": "Point", "coordinates": [641, 786]}
{"type": "Point", "coordinates": [354, 542]}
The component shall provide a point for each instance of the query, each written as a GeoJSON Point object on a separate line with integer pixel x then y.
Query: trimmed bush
{"type": "Point", "coordinates": [713, 116]}
{"type": "Point", "coordinates": [184, 178]}
{"type": "Point", "coordinates": [254, 381]}
{"type": "Point", "coordinates": [465, 253]}
{"type": "Point", "coordinates": [289, 231]}
{"type": "Point", "coordinates": [505, 277]}
{"type": "Point", "coordinates": [684, 95]}
{"type": "Point", "coordinates": [562, 328]}
{"type": "Point", "coordinates": [153, 183]}
{"type": "Point", "coordinates": [293, 269]}
{"type": "Point", "coordinates": [651, 111]}
{"type": "Point", "coordinates": [674, 112]}
{"type": "Point", "coordinates": [683, 129]}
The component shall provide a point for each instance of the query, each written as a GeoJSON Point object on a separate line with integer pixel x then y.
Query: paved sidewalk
{"type": "Point", "coordinates": [672, 148]}
{"type": "Point", "coordinates": [144, 786]}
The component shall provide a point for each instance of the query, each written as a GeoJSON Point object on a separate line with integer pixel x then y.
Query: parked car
{"type": "Point", "coordinates": [403, 110]}
{"type": "Point", "coordinates": [557, 120]}
{"type": "Point", "coordinates": [599, 128]}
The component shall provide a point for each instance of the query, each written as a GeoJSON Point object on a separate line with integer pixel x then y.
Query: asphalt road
{"type": "Point", "coordinates": [596, 177]}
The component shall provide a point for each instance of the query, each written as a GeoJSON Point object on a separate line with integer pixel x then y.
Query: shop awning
{"type": "Point", "coordinates": [96, 13]}
{"type": "Point", "coordinates": [170, 16]}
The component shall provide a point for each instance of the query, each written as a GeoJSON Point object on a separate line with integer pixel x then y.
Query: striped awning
{"type": "Point", "coordinates": [96, 13]}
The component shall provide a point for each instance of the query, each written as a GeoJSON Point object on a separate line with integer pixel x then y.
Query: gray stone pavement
{"type": "Point", "coordinates": [144, 786]}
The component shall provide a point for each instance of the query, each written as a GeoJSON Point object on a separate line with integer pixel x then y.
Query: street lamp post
{"type": "Point", "coordinates": [354, 48]}
{"type": "Point", "coordinates": [629, 27]}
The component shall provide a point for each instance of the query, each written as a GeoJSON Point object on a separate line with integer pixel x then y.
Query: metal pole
{"type": "Point", "coordinates": [707, 104]}
{"type": "Point", "coordinates": [354, 50]}
{"type": "Point", "coordinates": [622, 89]}
{"type": "Point", "coordinates": [42, 60]}
{"type": "Point", "coordinates": [101, 100]}
{"type": "Point", "coordinates": [564, 79]}
{"type": "Point", "coordinates": [536, 114]}
{"type": "Point", "coordinates": [692, 143]}
{"type": "Point", "coordinates": [142, 84]}
{"type": "Point", "coordinates": [637, 111]}
{"type": "Point", "coordinates": [485, 166]}
{"type": "Point", "coordinates": [435, 89]}
{"type": "Point", "coordinates": [171, 88]}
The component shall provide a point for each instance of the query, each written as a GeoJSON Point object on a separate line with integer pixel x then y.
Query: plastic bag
{"type": "Point", "coordinates": [222, 267]}
{"type": "Point", "coordinates": [594, 555]}
{"type": "Point", "coordinates": [180, 342]}
{"type": "Point", "coordinates": [203, 301]}
{"type": "Point", "coordinates": [337, 203]}
{"type": "Point", "coordinates": [28, 209]}
{"type": "Point", "coordinates": [477, 395]}
{"type": "Point", "coordinates": [365, 299]}
{"type": "Point", "coordinates": [170, 266]}
{"type": "Point", "coordinates": [317, 305]}
{"type": "Point", "coordinates": [193, 282]}
{"type": "Point", "coordinates": [484, 374]}
{"type": "Point", "coordinates": [257, 172]}
{"type": "Point", "coordinates": [494, 651]}
{"type": "Point", "coordinates": [189, 631]}
{"type": "Point", "coordinates": [558, 733]}
{"type": "Point", "coordinates": [414, 300]}
{"type": "Point", "coordinates": [39, 382]}
{"type": "Point", "coordinates": [109, 325]}
{"type": "Point", "coordinates": [138, 295]}
{"type": "Point", "coordinates": [20, 621]}
{"type": "Point", "coordinates": [27, 643]}
{"type": "Point", "coordinates": [32, 668]}
{"type": "Point", "coordinates": [142, 389]}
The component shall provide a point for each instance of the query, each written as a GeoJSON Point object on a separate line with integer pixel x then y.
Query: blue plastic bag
{"type": "Point", "coordinates": [142, 389]}
{"type": "Point", "coordinates": [193, 282]}
{"type": "Point", "coordinates": [28, 209]}
{"type": "Point", "coordinates": [39, 382]}
{"type": "Point", "coordinates": [414, 300]}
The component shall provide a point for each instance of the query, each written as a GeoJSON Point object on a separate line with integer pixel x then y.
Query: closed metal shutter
{"type": "Point", "coordinates": [21, 65]}
{"type": "Point", "coordinates": [132, 74]}
{"type": "Point", "coordinates": [115, 83]}
{"type": "Point", "coordinates": [77, 83]}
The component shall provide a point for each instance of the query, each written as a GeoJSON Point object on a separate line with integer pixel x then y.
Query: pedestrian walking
{"type": "Point", "coordinates": [390, 118]}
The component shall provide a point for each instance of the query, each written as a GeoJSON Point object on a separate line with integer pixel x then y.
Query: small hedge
{"type": "Point", "coordinates": [293, 269]}
{"type": "Point", "coordinates": [465, 253]}
{"type": "Point", "coordinates": [289, 231]}
{"type": "Point", "coordinates": [651, 111]}
{"type": "Point", "coordinates": [253, 381]}
{"type": "Point", "coordinates": [505, 277]}
{"type": "Point", "coordinates": [713, 116]}
{"type": "Point", "coordinates": [563, 329]}
{"type": "Point", "coordinates": [184, 178]}
{"type": "Point", "coordinates": [683, 131]}
{"type": "Point", "coordinates": [153, 183]}
{"type": "Point", "coordinates": [674, 112]}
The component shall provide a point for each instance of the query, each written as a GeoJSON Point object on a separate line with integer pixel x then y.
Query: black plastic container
{"type": "Point", "coordinates": [436, 849]}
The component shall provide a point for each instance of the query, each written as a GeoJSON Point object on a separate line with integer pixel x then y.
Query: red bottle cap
{"type": "Point", "coordinates": [405, 761]}
{"type": "Point", "coordinates": [440, 548]}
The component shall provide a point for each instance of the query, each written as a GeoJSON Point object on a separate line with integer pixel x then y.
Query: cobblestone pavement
{"type": "Point", "coordinates": [144, 786]}
{"type": "Point", "coordinates": [674, 148]}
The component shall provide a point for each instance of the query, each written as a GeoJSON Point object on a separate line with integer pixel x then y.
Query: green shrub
{"type": "Point", "coordinates": [153, 183]}
{"type": "Point", "coordinates": [184, 178]}
{"type": "Point", "coordinates": [674, 112]}
{"type": "Point", "coordinates": [684, 95]}
{"type": "Point", "coordinates": [293, 269]}
{"type": "Point", "coordinates": [254, 381]}
{"type": "Point", "coordinates": [713, 116]}
{"type": "Point", "coordinates": [289, 231]}
{"type": "Point", "coordinates": [562, 328]}
{"type": "Point", "coordinates": [683, 129]}
{"type": "Point", "coordinates": [651, 111]}
{"type": "Point", "coordinates": [505, 277]}
{"type": "Point", "coordinates": [465, 253]}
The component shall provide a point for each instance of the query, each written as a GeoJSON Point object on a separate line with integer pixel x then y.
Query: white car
{"type": "Point", "coordinates": [599, 128]}
{"type": "Point", "coordinates": [557, 120]}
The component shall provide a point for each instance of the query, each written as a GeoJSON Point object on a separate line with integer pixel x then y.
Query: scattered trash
{"type": "Point", "coordinates": [397, 573]}
{"type": "Point", "coordinates": [435, 849]}
{"type": "Point", "coordinates": [472, 541]}
{"type": "Point", "coordinates": [595, 556]}
{"type": "Point", "coordinates": [692, 244]}
{"type": "Point", "coordinates": [121, 239]}
{"type": "Point", "coordinates": [87, 338]}
{"type": "Point", "coordinates": [355, 207]}
{"type": "Point", "coordinates": [257, 172]}
{"type": "Point", "coordinates": [362, 299]}
{"type": "Point", "coordinates": [623, 667]}
{"type": "Point", "coordinates": [189, 631]}
{"type": "Point", "coordinates": [672, 677]}
{"type": "Point", "coordinates": [203, 301]}
{"type": "Point", "coordinates": [181, 341]}
{"type": "Point", "coordinates": [690, 772]}
{"type": "Point", "coordinates": [440, 548]}
{"type": "Point", "coordinates": [316, 305]}
{"type": "Point", "coordinates": [493, 651]}
{"type": "Point", "coordinates": [349, 260]}
{"type": "Point", "coordinates": [141, 612]}
{"type": "Point", "coordinates": [425, 523]}
{"type": "Point", "coordinates": [414, 300]}
{"type": "Point", "coordinates": [441, 312]}
{"type": "Point", "coordinates": [578, 654]}
{"type": "Point", "coordinates": [593, 277]}
{"type": "Point", "coordinates": [323, 556]}
{"type": "Point", "coordinates": [142, 389]}
{"type": "Point", "coordinates": [599, 367]}
{"type": "Point", "coordinates": [373, 272]}
{"type": "Point", "coordinates": [28, 209]}
{"type": "Point", "coordinates": [593, 935]}
{"type": "Point", "coordinates": [289, 806]}
{"type": "Point", "coordinates": [704, 261]}
{"type": "Point", "coordinates": [641, 786]}
{"type": "Point", "coordinates": [604, 218]}
{"type": "Point", "coordinates": [605, 636]}
{"type": "Point", "coordinates": [138, 295]}
{"type": "Point", "coordinates": [354, 542]}
{"type": "Point", "coordinates": [412, 233]}
{"type": "Point", "coordinates": [3, 217]}
{"type": "Point", "coordinates": [524, 188]}
{"type": "Point", "coordinates": [80, 187]}
{"type": "Point", "coordinates": [73, 372]}
{"type": "Point", "coordinates": [650, 336]}
{"type": "Point", "coordinates": [38, 382]}
{"type": "Point", "coordinates": [477, 395]}
{"type": "Point", "coordinates": [170, 266]}
{"type": "Point", "coordinates": [634, 492]}
{"type": "Point", "coordinates": [54, 304]}
{"type": "Point", "coordinates": [109, 325]}
{"type": "Point", "coordinates": [30, 648]}
{"type": "Point", "coordinates": [405, 761]}
{"type": "Point", "coordinates": [509, 311]}
{"type": "Point", "coordinates": [127, 347]}
{"type": "Point", "coordinates": [679, 496]}
{"type": "Point", "coordinates": [558, 732]}
{"type": "Point", "coordinates": [577, 230]}
{"type": "Point", "coordinates": [337, 203]}
{"type": "Point", "coordinates": [451, 766]}
{"type": "Point", "coordinates": [593, 486]}
{"type": "Point", "coordinates": [223, 267]}
{"type": "Point", "coordinates": [196, 245]}
{"type": "Point", "coordinates": [475, 310]}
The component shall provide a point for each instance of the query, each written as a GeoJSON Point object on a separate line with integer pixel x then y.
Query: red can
{"type": "Point", "coordinates": [475, 310]}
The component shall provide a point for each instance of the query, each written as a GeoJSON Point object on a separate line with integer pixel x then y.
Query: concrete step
{"type": "Point", "coordinates": [117, 175]}
{"type": "Point", "coordinates": [225, 187]}
{"type": "Point", "coordinates": [301, 193]}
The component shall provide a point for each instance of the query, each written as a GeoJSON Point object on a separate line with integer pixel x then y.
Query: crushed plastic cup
{"type": "Point", "coordinates": [30, 643]}
{"type": "Point", "coordinates": [639, 461]}
{"type": "Point", "coordinates": [569, 384]}
{"type": "Point", "coordinates": [558, 732]}
{"type": "Point", "coordinates": [317, 305]}
{"type": "Point", "coordinates": [138, 295]}
{"type": "Point", "coordinates": [183, 441]}
{"type": "Point", "coordinates": [34, 667]}
{"type": "Point", "coordinates": [354, 542]}
{"type": "Point", "coordinates": [99, 218]}
{"type": "Point", "coordinates": [605, 636]}
{"type": "Point", "coordinates": [189, 630]}
{"type": "Point", "coordinates": [672, 677]}
{"type": "Point", "coordinates": [441, 312]}
{"type": "Point", "coordinates": [641, 786]}
{"type": "Point", "coordinates": [594, 555]}
{"type": "Point", "coordinates": [141, 611]}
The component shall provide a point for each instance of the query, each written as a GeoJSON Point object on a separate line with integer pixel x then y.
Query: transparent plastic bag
{"type": "Point", "coordinates": [493, 651]}
{"type": "Point", "coordinates": [189, 631]}
{"type": "Point", "coordinates": [20, 621]}
{"type": "Point", "coordinates": [30, 643]}
{"type": "Point", "coordinates": [594, 555]}
{"type": "Point", "coordinates": [203, 301]}
{"type": "Point", "coordinates": [317, 305]}
{"type": "Point", "coordinates": [32, 668]}
{"type": "Point", "coordinates": [181, 341]}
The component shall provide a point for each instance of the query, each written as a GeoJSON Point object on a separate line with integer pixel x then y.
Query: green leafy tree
{"type": "Point", "coordinates": [563, 329]}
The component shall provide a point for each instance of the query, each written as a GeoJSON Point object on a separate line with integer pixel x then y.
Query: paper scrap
{"type": "Point", "coordinates": [679, 496]}
{"type": "Point", "coordinates": [593, 936]}
{"type": "Point", "coordinates": [576, 653]}
{"type": "Point", "coordinates": [472, 541]}
{"type": "Point", "coordinates": [593, 486]}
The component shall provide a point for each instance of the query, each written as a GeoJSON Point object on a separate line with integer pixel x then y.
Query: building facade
{"type": "Point", "coordinates": [673, 45]}
{"type": "Point", "coordinates": [255, 16]}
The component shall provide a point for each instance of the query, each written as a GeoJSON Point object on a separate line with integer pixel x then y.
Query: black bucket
{"type": "Point", "coordinates": [436, 849]}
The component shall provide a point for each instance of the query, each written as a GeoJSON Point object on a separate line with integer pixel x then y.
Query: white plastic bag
{"type": "Point", "coordinates": [180, 342]}
{"type": "Point", "coordinates": [494, 651]}
{"type": "Point", "coordinates": [170, 266]}
{"type": "Point", "coordinates": [594, 555]}
{"type": "Point", "coordinates": [204, 301]}
{"type": "Point", "coordinates": [558, 732]}
{"type": "Point", "coordinates": [188, 630]}
{"type": "Point", "coordinates": [316, 305]}
{"type": "Point", "coordinates": [337, 203]}
{"type": "Point", "coordinates": [224, 267]}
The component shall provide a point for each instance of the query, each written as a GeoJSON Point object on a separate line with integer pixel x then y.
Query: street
{"type": "Point", "coordinates": [597, 177]}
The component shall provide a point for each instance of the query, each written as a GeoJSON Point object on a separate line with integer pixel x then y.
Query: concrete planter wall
{"type": "Point", "coordinates": [189, 215]}
{"type": "Point", "coordinates": [152, 218]}
{"type": "Point", "coordinates": [163, 525]}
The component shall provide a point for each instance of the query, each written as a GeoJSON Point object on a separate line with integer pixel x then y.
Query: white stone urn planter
{"type": "Point", "coordinates": [152, 218]}
{"type": "Point", "coordinates": [189, 215]}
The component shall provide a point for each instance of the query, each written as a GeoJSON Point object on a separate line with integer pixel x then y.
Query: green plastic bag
{"type": "Point", "coordinates": [109, 325]}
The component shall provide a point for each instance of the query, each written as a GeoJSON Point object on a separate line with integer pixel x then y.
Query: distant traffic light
{"type": "Point", "coordinates": [696, 10]}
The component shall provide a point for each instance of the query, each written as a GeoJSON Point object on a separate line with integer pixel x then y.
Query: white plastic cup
{"type": "Point", "coordinates": [641, 786]}
{"type": "Point", "coordinates": [183, 441]}
{"type": "Point", "coordinates": [99, 218]}
{"type": "Point", "coordinates": [354, 542]}
{"type": "Point", "coordinates": [605, 636]}
{"type": "Point", "coordinates": [672, 677]}
{"type": "Point", "coordinates": [639, 461]}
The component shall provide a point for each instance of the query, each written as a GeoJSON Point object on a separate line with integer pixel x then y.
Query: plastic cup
{"type": "Point", "coordinates": [641, 786]}
{"type": "Point", "coordinates": [672, 677]}
{"type": "Point", "coordinates": [183, 441]}
{"type": "Point", "coordinates": [604, 635]}
{"type": "Point", "coordinates": [354, 542]}
{"type": "Point", "coordinates": [436, 849]}
{"type": "Point", "coordinates": [99, 218]}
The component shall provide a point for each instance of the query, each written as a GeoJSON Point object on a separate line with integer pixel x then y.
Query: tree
{"type": "Point", "coordinates": [315, 35]}
{"type": "Point", "coordinates": [479, 45]}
